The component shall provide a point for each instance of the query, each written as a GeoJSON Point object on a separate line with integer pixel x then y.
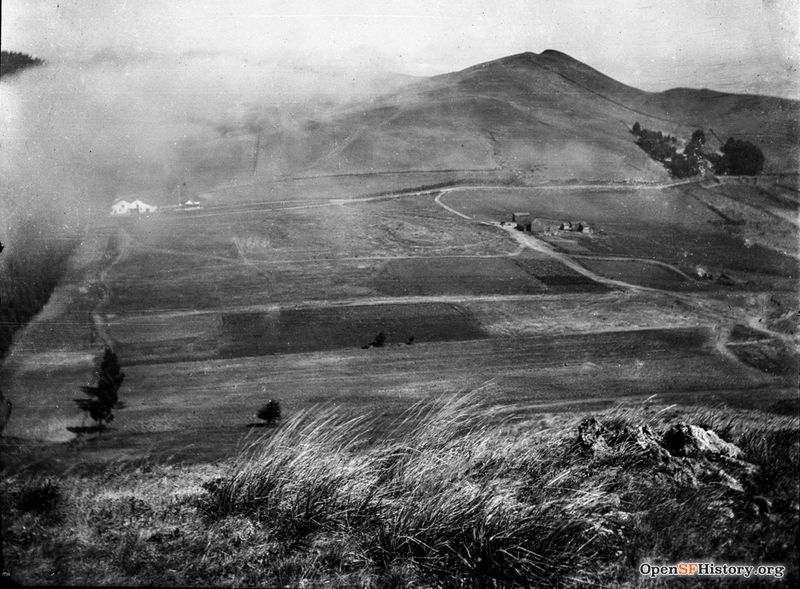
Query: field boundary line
{"type": "Point", "coordinates": [666, 265]}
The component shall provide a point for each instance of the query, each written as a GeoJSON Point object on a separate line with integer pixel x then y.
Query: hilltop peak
{"type": "Point", "coordinates": [548, 59]}
{"type": "Point", "coordinates": [555, 53]}
{"type": "Point", "coordinates": [550, 55]}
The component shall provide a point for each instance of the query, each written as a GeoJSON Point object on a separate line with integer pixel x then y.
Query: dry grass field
{"type": "Point", "coordinates": [213, 312]}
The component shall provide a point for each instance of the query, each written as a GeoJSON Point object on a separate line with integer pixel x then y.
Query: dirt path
{"type": "Point", "coordinates": [592, 186]}
{"type": "Point", "coordinates": [438, 201]}
{"type": "Point", "coordinates": [250, 207]}
{"type": "Point", "coordinates": [670, 267]}
{"type": "Point", "coordinates": [123, 248]}
{"type": "Point", "coordinates": [537, 245]}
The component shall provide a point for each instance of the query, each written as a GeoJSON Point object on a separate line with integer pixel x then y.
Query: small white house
{"type": "Point", "coordinates": [120, 207]}
{"type": "Point", "coordinates": [123, 207]}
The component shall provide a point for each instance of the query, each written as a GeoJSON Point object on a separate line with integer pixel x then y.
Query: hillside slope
{"type": "Point", "coordinates": [542, 116]}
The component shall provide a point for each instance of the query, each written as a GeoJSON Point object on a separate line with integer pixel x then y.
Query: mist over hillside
{"type": "Point", "coordinates": [76, 135]}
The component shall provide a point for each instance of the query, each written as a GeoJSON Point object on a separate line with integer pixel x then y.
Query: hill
{"type": "Point", "coordinates": [539, 116]}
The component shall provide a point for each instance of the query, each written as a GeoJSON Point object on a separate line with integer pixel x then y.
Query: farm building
{"type": "Point", "coordinates": [123, 207]}
{"type": "Point", "coordinates": [120, 207]}
{"type": "Point", "coordinates": [191, 204]}
{"type": "Point", "coordinates": [576, 226]}
{"type": "Point", "coordinates": [522, 220]}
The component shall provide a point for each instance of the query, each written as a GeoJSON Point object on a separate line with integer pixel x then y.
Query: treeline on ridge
{"type": "Point", "coordinates": [13, 61]}
{"type": "Point", "coordinates": [736, 157]}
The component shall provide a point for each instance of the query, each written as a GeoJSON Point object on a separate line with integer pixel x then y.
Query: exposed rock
{"type": "Point", "coordinates": [694, 441]}
{"type": "Point", "coordinates": [590, 436]}
{"type": "Point", "coordinates": [686, 455]}
{"type": "Point", "coordinates": [728, 481]}
{"type": "Point", "coordinates": [644, 437]}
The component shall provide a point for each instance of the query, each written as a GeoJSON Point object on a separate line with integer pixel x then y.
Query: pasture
{"type": "Point", "coordinates": [638, 272]}
{"type": "Point", "coordinates": [673, 225]}
{"type": "Point", "coordinates": [213, 312]}
{"type": "Point", "coordinates": [200, 410]}
{"type": "Point", "coordinates": [592, 204]}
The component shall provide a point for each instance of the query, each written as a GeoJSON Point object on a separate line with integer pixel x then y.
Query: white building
{"type": "Point", "coordinates": [123, 207]}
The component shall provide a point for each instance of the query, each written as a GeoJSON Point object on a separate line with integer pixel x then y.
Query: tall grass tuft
{"type": "Point", "coordinates": [437, 493]}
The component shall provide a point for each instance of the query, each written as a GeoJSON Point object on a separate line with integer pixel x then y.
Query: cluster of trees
{"type": "Point", "coordinates": [12, 61]}
{"type": "Point", "coordinates": [103, 397]}
{"type": "Point", "coordinates": [664, 148]}
{"type": "Point", "coordinates": [737, 157]}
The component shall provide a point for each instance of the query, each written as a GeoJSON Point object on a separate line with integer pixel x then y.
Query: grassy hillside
{"type": "Point", "coordinates": [453, 495]}
{"type": "Point", "coordinates": [527, 118]}
{"type": "Point", "coordinates": [544, 117]}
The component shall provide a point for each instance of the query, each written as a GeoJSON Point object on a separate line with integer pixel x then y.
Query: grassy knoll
{"type": "Point", "coordinates": [453, 495]}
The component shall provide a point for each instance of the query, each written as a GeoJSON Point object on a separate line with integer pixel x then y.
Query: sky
{"type": "Point", "coordinates": [732, 45]}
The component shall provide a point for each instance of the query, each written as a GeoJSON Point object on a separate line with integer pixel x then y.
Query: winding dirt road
{"type": "Point", "coordinates": [98, 323]}
{"type": "Point", "coordinates": [722, 316]}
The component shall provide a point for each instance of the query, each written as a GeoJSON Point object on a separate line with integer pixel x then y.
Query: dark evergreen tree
{"type": "Point", "coordinates": [103, 397]}
{"type": "Point", "coordinates": [696, 143]}
{"type": "Point", "coordinates": [637, 128]}
{"type": "Point", "coordinates": [698, 137]}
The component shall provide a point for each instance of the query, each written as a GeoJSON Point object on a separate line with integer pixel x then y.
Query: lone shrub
{"type": "Point", "coordinates": [271, 412]}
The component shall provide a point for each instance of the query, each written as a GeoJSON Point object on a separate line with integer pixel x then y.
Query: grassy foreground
{"type": "Point", "coordinates": [454, 495]}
